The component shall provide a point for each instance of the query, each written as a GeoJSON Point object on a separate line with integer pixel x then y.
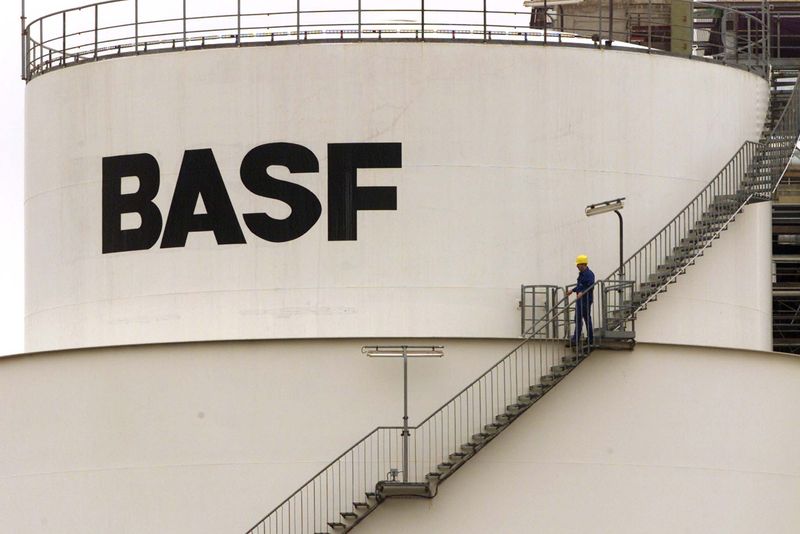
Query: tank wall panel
{"type": "Point", "coordinates": [502, 147]}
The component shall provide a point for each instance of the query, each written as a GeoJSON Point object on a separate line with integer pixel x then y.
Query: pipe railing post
{"type": "Point", "coordinates": [136, 26]}
{"type": "Point", "coordinates": [184, 24]}
{"type": "Point", "coordinates": [422, 17]}
{"type": "Point", "coordinates": [23, 44]}
{"type": "Point", "coordinates": [544, 23]}
{"type": "Point", "coordinates": [96, 29]}
{"type": "Point", "coordinates": [298, 21]}
{"type": "Point", "coordinates": [359, 20]}
{"type": "Point", "coordinates": [484, 20]}
{"type": "Point", "coordinates": [238, 22]}
{"type": "Point", "coordinates": [64, 38]}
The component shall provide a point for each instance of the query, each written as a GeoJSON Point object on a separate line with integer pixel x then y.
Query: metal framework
{"type": "Point", "coordinates": [115, 28]}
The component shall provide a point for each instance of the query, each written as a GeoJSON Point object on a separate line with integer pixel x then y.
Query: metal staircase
{"type": "Point", "coordinates": [346, 491]}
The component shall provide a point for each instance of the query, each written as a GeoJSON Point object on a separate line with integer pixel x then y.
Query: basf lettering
{"type": "Point", "coordinates": [199, 178]}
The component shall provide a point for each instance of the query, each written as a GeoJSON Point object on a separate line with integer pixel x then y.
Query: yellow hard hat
{"type": "Point", "coordinates": [582, 259]}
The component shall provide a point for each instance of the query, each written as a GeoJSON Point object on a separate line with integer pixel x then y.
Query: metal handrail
{"type": "Point", "coordinates": [54, 41]}
{"type": "Point", "coordinates": [753, 174]}
{"type": "Point", "coordinates": [436, 437]}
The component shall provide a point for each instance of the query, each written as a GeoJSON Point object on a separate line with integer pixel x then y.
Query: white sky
{"type": "Point", "coordinates": [12, 104]}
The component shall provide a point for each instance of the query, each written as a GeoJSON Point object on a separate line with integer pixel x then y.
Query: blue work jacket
{"type": "Point", "coordinates": [585, 281]}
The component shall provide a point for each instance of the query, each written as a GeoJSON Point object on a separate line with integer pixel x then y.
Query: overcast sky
{"type": "Point", "coordinates": [12, 100]}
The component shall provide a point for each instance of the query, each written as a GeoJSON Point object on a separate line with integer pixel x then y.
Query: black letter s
{"type": "Point", "coordinates": [306, 208]}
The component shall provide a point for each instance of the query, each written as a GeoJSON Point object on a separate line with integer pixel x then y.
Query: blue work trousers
{"type": "Point", "coordinates": [583, 314]}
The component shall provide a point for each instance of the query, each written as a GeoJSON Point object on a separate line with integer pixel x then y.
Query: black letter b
{"type": "Point", "coordinates": [115, 168]}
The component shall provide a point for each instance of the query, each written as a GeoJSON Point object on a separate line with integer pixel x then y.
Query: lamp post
{"type": "Point", "coordinates": [605, 207]}
{"type": "Point", "coordinates": [405, 352]}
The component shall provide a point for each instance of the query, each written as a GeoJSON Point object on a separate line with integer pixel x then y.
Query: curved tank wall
{"type": "Point", "coordinates": [208, 437]}
{"type": "Point", "coordinates": [659, 440]}
{"type": "Point", "coordinates": [489, 154]}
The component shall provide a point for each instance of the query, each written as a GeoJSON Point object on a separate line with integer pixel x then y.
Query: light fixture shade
{"type": "Point", "coordinates": [398, 351]}
{"type": "Point", "coordinates": [605, 207]}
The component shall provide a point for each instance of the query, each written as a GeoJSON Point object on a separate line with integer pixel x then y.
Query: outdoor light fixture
{"type": "Point", "coordinates": [405, 352]}
{"type": "Point", "coordinates": [606, 207]}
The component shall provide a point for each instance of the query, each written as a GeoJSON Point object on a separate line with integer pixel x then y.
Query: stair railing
{"type": "Point", "coordinates": [466, 422]}
{"type": "Point", "coordinates": [783, 139]}
{"type": "Point", "coordinates": [660, 249]}
{"type": "Point", "coordinates": [341, 486]}
{"type": "Point", "coordinates": [753, 174]}
{"type": "Point", "coordinates": [471, 418]}
{"type": "Point", "coordinates": [462, 425]}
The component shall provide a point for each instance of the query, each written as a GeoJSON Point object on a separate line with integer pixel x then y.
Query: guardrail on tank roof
{"type": "Point", "coordinates": [116, 28]}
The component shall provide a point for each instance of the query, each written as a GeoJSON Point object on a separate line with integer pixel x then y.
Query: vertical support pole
{"type": "Point", "coordinates": [64, 38]}
{"type": "Point", "coordinates": [23, 44]}
{"type": "Point", "coordinates": [136, 26]}
{"type": "Point", "coordinates": [610, 22]}
{"type": "Point", "coordinates": [298, 21]}
{"type": "Point", "coordinates": [422, 15]}
{"type": "Point", "coordinates": [649, 25]}
{"type": "Point", "coordinates": [599, 23]}
{"type": "Point", "coordinates": [621, 261]}
{"type": "Point", "coordinates": [238, 22]}
{"type": "Point", "coordinates": [484, 20]}
{"type": "Point", "coordinates": [778, 37]}
{"type": "Point", "coordinates": [766, 26]}
{"type": "Point", "coordinates": [359, 20]}
{"type": "Point", "coordinates": [691, 22]}
{"type": "Point", "coordinates": [405, 414]}
{"type": "Point", "coordinates": [96, 30]}
{"type": "Point", "coordinates": [184, 24]}
{"type": "Point", "coordinates": [544, 22]}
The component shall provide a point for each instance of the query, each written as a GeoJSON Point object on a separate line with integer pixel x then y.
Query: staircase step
{"type": "Point", "coordinates": [360, 505]}
{"type": "Point", "coordinates": [492, 428]}
{"type": "Point", "coordinates": [505, 418]}
{"type": "Point", "coordinates": [538, 390]}
{"type": "Point", "coordinates": [445, 466]}
{"type": "Point", "coordinates": [349, 515]}
{"type": "Point", "coordinates": [550, 379]}
{"type": "Point", "coordinates": [456, 457]}
{"type": "Point", "coordinates": [335, 524]}
{"type": "Point", "coordinates": [479, 437]}
{"type": "Point", "coordinates": [516, 408]}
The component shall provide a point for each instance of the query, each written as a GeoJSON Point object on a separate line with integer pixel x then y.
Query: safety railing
{"type": "Point", "coordinates": [780, 144]}
{"type": "Point", "coordinates": [753, 174]}
{"type": "Point", "coordinates": [129, 27]}
{"type": "Point", "coordinates": [339, 487]}
{"type": "Point", "coordinates": [460, 426]}
{"type": "Point", "coordinates": [546, 310]}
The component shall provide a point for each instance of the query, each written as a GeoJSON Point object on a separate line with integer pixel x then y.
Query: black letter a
{"type": "Point", "coordinates": [200, 177]}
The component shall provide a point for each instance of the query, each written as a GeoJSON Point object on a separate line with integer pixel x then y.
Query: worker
{"type": "Point", "coordinates": [584, 292]}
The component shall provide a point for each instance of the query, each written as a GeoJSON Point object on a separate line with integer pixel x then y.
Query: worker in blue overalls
{"type": "Point", "coordinates": [584, 292]}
